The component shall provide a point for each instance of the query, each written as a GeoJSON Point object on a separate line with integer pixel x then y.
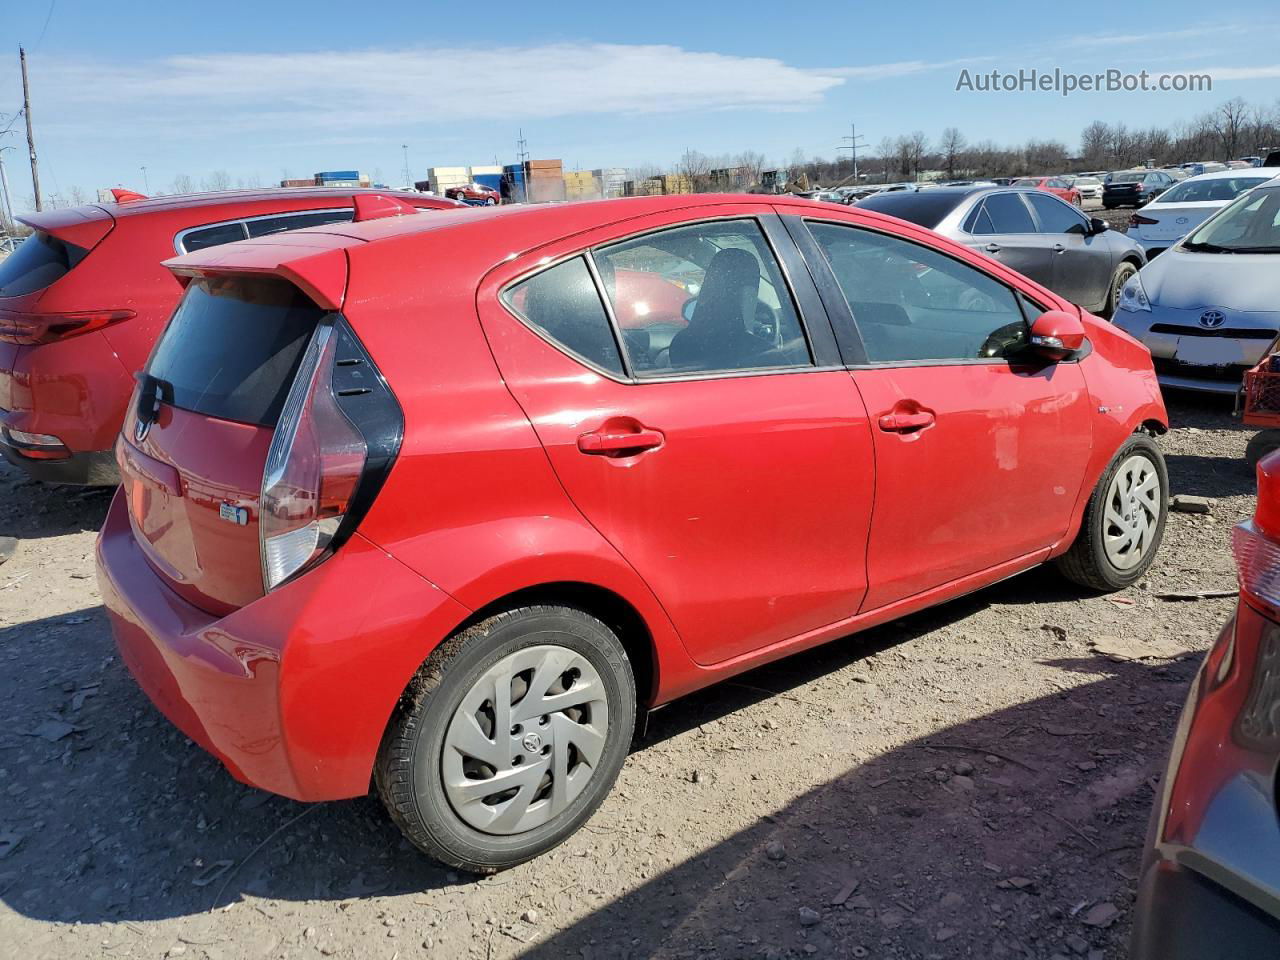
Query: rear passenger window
{"type": "Point", "coordinates": [1056, 216]}
{"type": "Point", "coordinates": [296, 221]}
{"type": "Point", "coordinates": [704, 298]}
{"type": "Point", "coordinates": [1008, 214]}
{"type": "Point", "coordinates": [911, 303]}
{"type": "Point", "coordinates": [213, 236]}
{"type": "Point", "coordinates": [562, 303]}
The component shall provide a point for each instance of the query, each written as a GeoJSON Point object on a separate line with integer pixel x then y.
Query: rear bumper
{"type": "Point", "coordinates": [96, 469]}
{"type": "Point", "coordinates": [292, 692]}
{"type": "Point", "coordinates": [1186, 916]}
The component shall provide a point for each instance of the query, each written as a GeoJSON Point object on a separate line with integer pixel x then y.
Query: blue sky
{"type": "Point", "coordinates": [261, 88]}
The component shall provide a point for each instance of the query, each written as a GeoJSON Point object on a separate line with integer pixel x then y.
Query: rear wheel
{"type": "Point", "coordinates": [1260, 444]}
{"type": "Point", "coordinates": [1123, 522]}
{"type": "Point", "coordinates": [509, 738]}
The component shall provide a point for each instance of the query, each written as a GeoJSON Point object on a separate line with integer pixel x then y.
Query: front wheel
{"type": "Point", "coordinates": [1261, 444]}
{"type": "Point", "coordinates": [509, 737]}
{"type": "Point", "coordinates": [1123, 521]}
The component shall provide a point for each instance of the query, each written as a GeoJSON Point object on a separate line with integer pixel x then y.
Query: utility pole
{"type": "Point", "coordinates": [31, 137]}
{"type": "Point", "coordinates": [4, 186]}
{"type": "Point", "coordinates": [146, 185]}
{"type": "Point", "coordinates": [852, 147]}
{"type": "Point", "coordinates": [408, 183]}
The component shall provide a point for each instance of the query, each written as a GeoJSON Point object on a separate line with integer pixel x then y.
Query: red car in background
{"type": "Point", "coordinates": [83, 300]}
{"type": "Point", "coordinates": [452, 536]}
{"type": "Point", "coordinates": [476, 194]}
{"type": "Point", "coordinates": [1055, 185]}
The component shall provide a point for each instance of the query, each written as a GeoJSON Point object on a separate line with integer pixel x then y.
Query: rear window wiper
{"type": "Point", "coordinates": [152, 392]}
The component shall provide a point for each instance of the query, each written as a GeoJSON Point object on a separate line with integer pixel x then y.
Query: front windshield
{"type": "Point", "coordinates": [1220, 189]}
{"type": "Point", "coordinates": [1249, 225]}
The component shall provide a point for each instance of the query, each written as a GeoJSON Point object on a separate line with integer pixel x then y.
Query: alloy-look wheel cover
{"type": "Point", "coordinates": [525, 740]}
{"type": "Point", "coordinates": [1132, 515]}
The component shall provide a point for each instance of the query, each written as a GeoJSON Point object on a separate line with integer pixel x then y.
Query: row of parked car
{"type": "Point", "coordinates": [441, 498]}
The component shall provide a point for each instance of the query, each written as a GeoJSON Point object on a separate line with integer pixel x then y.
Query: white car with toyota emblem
{"type": "Point", "coordinates": [1209, 307]}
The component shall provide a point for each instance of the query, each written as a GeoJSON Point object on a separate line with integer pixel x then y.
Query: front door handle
{"type": "Point", "coordinates": [906, 422]}
{"type": "Point", "coordinates": [609, 442]}
{"type": "Point", "coordinates": [1059, 248]}
{"type": "Point", "coordinates": [992, 248]}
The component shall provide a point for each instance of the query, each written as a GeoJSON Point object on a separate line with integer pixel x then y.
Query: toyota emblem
{"type": "Point", "coordinates": [1212, 319]}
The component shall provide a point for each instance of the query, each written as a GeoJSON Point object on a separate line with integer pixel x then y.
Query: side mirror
{"type": "Point", "coordinates": [1056, 335]}
{"type": "Point", "coordinates": [1097, 225]}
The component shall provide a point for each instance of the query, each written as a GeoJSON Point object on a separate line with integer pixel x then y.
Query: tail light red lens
{"type": "Point", "coordinates": [1138, 220]}
{"type": "Point", "coordinates": [32, 328]}
{"type": "Point", "coordinates": [313, 467]}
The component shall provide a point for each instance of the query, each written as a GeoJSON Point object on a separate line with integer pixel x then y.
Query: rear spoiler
{"type": "Point", "coordinates": [315, 263]}
{"type": "Point", "coordinates": [82, 227]}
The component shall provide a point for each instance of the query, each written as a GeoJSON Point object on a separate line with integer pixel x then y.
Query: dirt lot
{"type": "Point", "coordinates": [970, 782]}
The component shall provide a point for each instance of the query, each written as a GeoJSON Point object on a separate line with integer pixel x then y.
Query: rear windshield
{"type": "Point", "coordinates": [1128, 177]}
{"type": "Point", "coordinates": [233, 347]}
{"type": "Point", "coordinates": [1220, 189]}
{"type": "Point", "coordinates": [927, 208]}
{"type": "Point", "coordinates": [38, 262]}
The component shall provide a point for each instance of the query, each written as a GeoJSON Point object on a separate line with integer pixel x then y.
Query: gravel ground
{"type": "Point", "coordinates": [973, 781]}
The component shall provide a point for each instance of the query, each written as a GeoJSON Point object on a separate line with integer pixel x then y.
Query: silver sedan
{"type": "Point", "coordinates": [1032, 231]}
{"type": "Point", "coordinates": [1209, 307]}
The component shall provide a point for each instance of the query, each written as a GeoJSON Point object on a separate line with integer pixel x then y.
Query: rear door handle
{"type": "Point", "coordinates": [604, 443]}
{"type": "Point", "coordinates": [1059, 248]}
{"type": "Point", "coordinates": [906, 422]}
{"type": "Point", "coordinates": [992, 248]}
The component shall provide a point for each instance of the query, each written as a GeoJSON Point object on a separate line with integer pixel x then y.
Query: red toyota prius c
{"type": "Point", "coordinates": [440, 503]}
{"type": "Point", "coordinates": [84, 298]}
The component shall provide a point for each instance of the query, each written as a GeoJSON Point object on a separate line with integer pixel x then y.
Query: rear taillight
{"type": "Point", "coordinates": [338, 434]}
{"type": "Point", "coordinates": [35, 446]}
{"type": "Point", "coordinates": [32, 328]}
{"type": "Point", "coordinates": [314, 464]}
{"type": "Point", "coordinates": [1138, 220]}
{"type": "Point", "coordinates": [1256, 541]}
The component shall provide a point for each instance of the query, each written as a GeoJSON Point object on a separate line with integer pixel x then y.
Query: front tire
{"type": "Point", "coordinates": [509, 738]}
{"type": "Point", "coordinates": [1260, 444]}
{"type": "Point", "coordinates": [1123, 521]}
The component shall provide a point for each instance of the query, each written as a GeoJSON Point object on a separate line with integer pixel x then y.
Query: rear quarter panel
{"type": "Point", "coordinates": [472, 504]}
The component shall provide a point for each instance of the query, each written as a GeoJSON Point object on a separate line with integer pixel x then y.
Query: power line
{"type": "Point", "coordinates": [48, 17]}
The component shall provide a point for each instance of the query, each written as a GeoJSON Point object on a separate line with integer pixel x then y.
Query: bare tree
{"type": "Point", "coordinates": [697, 168]}
{"type": "Point", "coordinates": [1095, 140]}
{"type": "Point", "coordinates": [919, 146]}
{"type": "Point", "coordinates": [885, 152]}
{"type": "Point", "coordinates": [1229, 123]}
{"type": "Point", "coordinates": [752, 163]}
{"type": "Point", "coordinates": [217, 180]}
{"type": "Point", "coordinates": [77, 197]}
{"type": "Point", "coordinates": [182, 184]}
{"type": "Point", "coordinates": [952, 146]}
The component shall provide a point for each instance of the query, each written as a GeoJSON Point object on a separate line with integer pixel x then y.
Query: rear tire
{"type": "Point", "coordinates": [462, 722]}
{"type": "Point", "coordinates": [1260, 444]}
{"type": "Point", "coordinates": [1122, 526]}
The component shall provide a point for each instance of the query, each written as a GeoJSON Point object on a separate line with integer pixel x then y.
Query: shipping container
{"type": "Point", "coordinates": [544, 189]}
{"type": "Point", "coordinates": [338, 175]}
{"type": "Point", "coordinates": [485, 171]}
{"type": "Point", "coordinates": [299, 182]}
{"type": "Point", "coordinates": [491, 180]}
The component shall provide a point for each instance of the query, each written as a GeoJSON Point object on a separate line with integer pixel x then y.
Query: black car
{"type": "Point", "coordinates": [1133, 188]}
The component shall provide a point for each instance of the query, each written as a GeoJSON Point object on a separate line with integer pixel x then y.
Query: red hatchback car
{"type": "Point", "coordinates": [1055, 185]}
{"type": "Point", "coordinates": [442, 501]}
{"type": "Point", "coordinates": [83, 300]}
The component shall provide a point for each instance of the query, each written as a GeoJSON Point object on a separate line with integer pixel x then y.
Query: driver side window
{"type": "Point", "coordinates": [911, 303]}
{"type": "Point", "coordinates": [704, 298]}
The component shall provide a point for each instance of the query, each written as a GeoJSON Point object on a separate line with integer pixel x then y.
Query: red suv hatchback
{"type": "Point", "coordinates": [442, 501]}
{"type": "Point", "coordinates": [1056, 185]}
{"type": "Point", "coordinates": [83, 300]}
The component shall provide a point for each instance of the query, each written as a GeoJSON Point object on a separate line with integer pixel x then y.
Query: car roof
{"type": "Point", "coordinates": [1233, 174]}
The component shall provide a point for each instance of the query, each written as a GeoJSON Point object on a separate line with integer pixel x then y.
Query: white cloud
{"type": "Point", "coordinates": [900, 68]}
{"type": "Point", "coordinates": [1159, 36]}
{"type": "Point", "coordinates": [361, 90]}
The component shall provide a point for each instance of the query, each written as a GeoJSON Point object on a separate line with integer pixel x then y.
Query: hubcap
{"type": "Point", "coordinates": [525, 740]}
{"type": "Point", "coordinates": [1132, 513]}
